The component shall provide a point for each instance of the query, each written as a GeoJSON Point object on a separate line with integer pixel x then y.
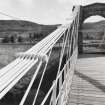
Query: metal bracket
{"type": "Point", "coordinates": [40, 56]}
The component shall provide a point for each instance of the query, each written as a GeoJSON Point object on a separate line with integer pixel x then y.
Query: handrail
{"type": "Point", "coordinates": [59, 77]}
{"type": "Point", "coordinates": [13, 72]}
{"type": "Point", "coordinates": [68, 70]}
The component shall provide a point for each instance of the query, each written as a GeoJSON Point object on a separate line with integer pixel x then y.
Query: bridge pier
{"type": "Point", "coordinates": [85, 12]}
{"type": "Point", "coordinates": [80, 34]}
{"type": "Point", "coordinates": [80, 43]}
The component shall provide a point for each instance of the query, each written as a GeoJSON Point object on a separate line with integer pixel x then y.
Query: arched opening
{"type": "Point", "coordinates": [93, 31]}
{"type": "Point", "coordinates": [85, 13]}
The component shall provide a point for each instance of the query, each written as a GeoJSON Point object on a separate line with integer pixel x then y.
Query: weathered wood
{"type": "Point", "coordinates": [88, 87]}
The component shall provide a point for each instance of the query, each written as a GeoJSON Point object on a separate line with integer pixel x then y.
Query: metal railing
{"type": "Point", "coordinates": [58, 92]}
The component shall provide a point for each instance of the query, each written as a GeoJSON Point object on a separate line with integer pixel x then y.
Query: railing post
{"type": "Point", "coordinates": [68, 66]}
{"type": "Point", "coordinates": [65, 81]}
{"type": "Point", "coordinates": [65, 72]}
{"type": "Point", "coordinates": [60, 90]}
{"type": "Point", "coordinates": [54, 95]}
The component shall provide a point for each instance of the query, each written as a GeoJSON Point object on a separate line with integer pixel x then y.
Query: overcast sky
{"type": "Point", "coordinates": [41, 11]}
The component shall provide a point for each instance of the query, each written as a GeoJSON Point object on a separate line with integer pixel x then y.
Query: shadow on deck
{"type": "Point", "coordinates": [92, 81]}
{"type": "Point", "coordinates": [88, 86]}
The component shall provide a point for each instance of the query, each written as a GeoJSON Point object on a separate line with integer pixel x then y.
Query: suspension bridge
{"type": "Point", "coordinates": [78, 81]}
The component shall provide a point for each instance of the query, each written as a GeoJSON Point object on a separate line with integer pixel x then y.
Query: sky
{"type": "Point", "coordinates": [42, 11]}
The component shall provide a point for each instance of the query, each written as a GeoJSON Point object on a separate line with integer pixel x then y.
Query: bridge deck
{"type": "Point", "coordinates": [88, 87]}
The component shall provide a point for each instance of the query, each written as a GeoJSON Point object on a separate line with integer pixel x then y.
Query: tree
{"type": "Point", "coordinates": [6, 39]}
{"type": "Point", "coordinates": [12, 39]}
{"type": "Point", "coordinates": [20, 39]}
{"type": "Point", "coordinates": [30, 35]}
{"type": "Point", "coordinates": [35, 36]}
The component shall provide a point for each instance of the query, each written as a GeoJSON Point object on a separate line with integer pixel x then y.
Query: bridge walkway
{"type": "Point", "coordinates": [88, 86]}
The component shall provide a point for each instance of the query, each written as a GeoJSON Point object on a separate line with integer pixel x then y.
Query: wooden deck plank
{"type": "Point", "coordinates": [88, 86]}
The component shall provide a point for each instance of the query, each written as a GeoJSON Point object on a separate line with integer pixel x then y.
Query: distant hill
{"type": "Point", "coordinates": [8, 27]}
{"type": "Point", "coordinates": [92, 25]}
{"type": "Point", "coordinates": [93, 30]}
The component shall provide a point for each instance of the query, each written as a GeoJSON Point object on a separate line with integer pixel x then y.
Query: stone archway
{"type": "Point", "coordinates": [85, 12]}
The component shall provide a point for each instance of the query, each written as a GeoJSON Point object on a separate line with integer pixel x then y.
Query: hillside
{"type": "Point", "coordinates": [8, 27]}
{"type": "Point", "coordinates": [94, 25]}
{"type": "Point", "coordinates": [93, 30]}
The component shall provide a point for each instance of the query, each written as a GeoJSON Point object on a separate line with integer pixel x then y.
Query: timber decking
{"type": "Point", "coordinates": [88, 86]}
